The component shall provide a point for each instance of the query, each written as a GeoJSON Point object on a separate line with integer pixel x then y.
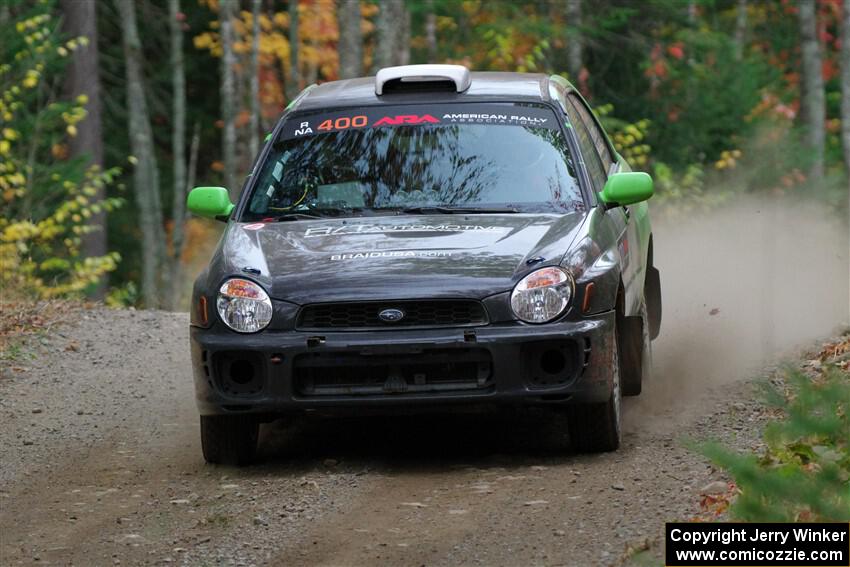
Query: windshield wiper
{"type": "Point", "coordinates": [440, 210]}
{"type": "Point", "coordinates": [296, 216]}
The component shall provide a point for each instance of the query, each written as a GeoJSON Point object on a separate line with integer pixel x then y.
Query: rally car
{"type": "Point", "coordinates": [427, 239]}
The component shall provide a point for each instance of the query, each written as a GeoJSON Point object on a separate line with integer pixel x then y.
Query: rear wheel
{"type": "Point", "coordinates": [229, 439]}
{"type": "Point", "coordinates": [595, 428]}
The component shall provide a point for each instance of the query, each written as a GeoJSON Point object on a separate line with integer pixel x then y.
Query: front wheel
{"type": "Point", "coordinates": [595, 428]}
{"type": "Point", "coordinates": [229, 439]}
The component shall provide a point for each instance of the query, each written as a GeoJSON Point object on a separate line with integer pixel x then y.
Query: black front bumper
{"type": "Point", "coordinates": [289, 372]}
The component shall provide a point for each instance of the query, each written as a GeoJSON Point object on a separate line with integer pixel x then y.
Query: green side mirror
{"type": "Point", "coordinates": [626, 189]}
{"type": "Point", "coordinates": [210, 202]}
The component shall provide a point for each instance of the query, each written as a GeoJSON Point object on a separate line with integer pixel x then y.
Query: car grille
{"type": "Point", "coordinates": [364, 315]}
{"type": "Point", "coordinates": [430, 371]}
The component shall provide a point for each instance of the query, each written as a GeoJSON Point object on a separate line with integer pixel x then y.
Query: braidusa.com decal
{"type": "Point", "coordinates": [424, 115]}
{"type": "Point", "coordinates": [391, 254]}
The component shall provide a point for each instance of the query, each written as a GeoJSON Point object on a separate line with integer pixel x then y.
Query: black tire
{"type": "Point", "coordinates": [229, 439]}
{"type": "Point", "coordinates": [595, 428]}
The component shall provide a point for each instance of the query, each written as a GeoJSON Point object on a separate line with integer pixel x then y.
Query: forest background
{"type": "Point", "coordinates": [111, 110]}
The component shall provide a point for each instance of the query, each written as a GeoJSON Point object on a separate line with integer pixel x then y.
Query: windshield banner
{"type": "Point", "coordinates": [418, 115]}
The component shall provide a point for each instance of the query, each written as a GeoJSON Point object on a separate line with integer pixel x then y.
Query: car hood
{"type": "Point", "coordinates": [396, 257]}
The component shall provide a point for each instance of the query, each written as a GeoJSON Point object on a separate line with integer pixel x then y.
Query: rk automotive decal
{"type": "Point", "coordinates": [349, 229]}
{"type": "Point", "coordinates": [424, 115]}
{"type": "Point", "coordinates": [391, 254]}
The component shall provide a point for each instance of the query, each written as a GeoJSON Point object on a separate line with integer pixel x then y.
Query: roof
{"type": "Point", "coordinates": [484, 86]}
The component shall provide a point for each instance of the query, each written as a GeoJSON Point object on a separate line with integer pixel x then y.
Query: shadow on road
{"type": "Point", "coordinates": [420, 442]}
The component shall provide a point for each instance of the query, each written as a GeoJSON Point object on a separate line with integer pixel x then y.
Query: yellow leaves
{"type": "Point", "coordinates": [62, 51]}
{"type": "Point", "coordinates": [281, 19]}
{"type": "Point", "coordinates": [5, 147]}
{"type": "Point", "coordinates": [728, 159]}
{"type": "Point", "coordinates": [30, 79]}
{"type": "Point", "coordinates": [10, 134]}
{"type": "Point", "coordinates": [71, 130]}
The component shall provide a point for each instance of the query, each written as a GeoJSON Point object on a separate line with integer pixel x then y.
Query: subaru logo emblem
{"type": "Point", "coordinates": [391, 315]}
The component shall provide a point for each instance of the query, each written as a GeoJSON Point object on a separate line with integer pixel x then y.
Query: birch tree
{"type": "Point", "coordinates": [254, 139]}
{"type": "Point", "coordinates": [145, 173]}
{"type": "Point", "coordinates": [392, 19]}
{"type": "Point", "coordinates": [293, 85]}
{"type": "Point", "coordinates": [740, 29]}
{"type": "Point", "coordinates": [813, 103]}
{"type": "Point", "coordinates": [178, 147]}
{"type": "Point", "coordinates": [81, 79]}
{"type": "Point", "coordinates": [431, 31]}
{"type": "Point", "coordinates": [574, 43]}
{"type": "Point", "coordinates": [228, 95]}
{"type": "Point", "coordinates": [350, 39]}
{"type": "Point", "coordinates": [845, 85]}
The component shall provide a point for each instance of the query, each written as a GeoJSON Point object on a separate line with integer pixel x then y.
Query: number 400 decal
{"type": "Point", "coordinates": [344, 122]}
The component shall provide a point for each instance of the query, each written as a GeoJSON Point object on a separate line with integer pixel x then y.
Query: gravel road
{"type": "Point", "coordinates": [100, 462]}
{"type": "Point", "coordinates": [101, 465]}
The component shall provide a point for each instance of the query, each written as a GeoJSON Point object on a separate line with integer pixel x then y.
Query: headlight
{"type": "Point", "coordinates": [542, 295]}
{"type": "Point", "coordinates": [244, 306]}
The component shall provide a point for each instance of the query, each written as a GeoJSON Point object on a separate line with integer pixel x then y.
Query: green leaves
{"type": "Point", "coordinates": [804, 472]}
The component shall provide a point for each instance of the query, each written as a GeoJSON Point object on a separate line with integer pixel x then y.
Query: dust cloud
{"type": "Point", "coordinates": [742, 287]}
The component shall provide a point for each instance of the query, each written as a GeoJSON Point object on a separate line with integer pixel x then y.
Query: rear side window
{"type": "Point", "coordinates": [588, 150]}
{"type": "Point", "coordinates": [595, 131]}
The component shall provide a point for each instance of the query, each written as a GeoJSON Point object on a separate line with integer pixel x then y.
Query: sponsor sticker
{"type": "Point", "coordinates": [349, 229]}
{"type": "Point", "coordinates": [255, 226]}
{"type": "Point", "coordinates": [391, 254]}
{"type": "Point", "coordinates": [418, 115]}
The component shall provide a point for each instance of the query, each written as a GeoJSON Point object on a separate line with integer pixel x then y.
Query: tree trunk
{"type": "Point", "coordinates": [81, 79]}
{"type": "Point", "coordinates": [293, 85]}
{"type": "Point", "coordinates": [813, 97]}
{"type": "Point", "coordinates": [740, 29]}
{"type": "Point", "coordinates": [692, 12]}
{"type": "Point", "coordinates": [145, 174]}
{"type": "Point", "coordinates": [393, 34]}
{"type": "Point", "coordinates": [254, 140]}
{"type": "Point", "coordinates": [845, 92]}
{"type": "Point", "coordinates": [350, 39]}
{"type": "Point", "coordinates": [431, 31]}
{"type": "Point", "coordinates": [403, 35]}
{"type": "Point", "coordinates": [178, 148]}
{"type": "Point", "coordinates": [845, 85]}
{"type": "Point", "coordinates": [228, 95]}
{"type": "Point", "coordinates": [574, 40]}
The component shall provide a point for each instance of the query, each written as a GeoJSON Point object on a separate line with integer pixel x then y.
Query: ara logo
{"type": "Point", "coordinates": [406, 119]}
{"type": "Point", "coordinates": [391, 315]}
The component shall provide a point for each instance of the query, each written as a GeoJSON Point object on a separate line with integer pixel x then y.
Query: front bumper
{"type": "Point", "coordinates": [276, 373]}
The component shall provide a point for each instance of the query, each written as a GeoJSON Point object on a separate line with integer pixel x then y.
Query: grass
{"type": "Point", "coordinates": [22, 319]}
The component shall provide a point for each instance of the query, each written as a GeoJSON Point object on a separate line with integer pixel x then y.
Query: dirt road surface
{"type": "Point", "coordinates": [100, 461]}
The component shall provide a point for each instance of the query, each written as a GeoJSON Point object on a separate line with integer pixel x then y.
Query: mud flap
{"type": "Point", "coordinates": [630, 342]}
{"type": "Point", "coordinates": [652, 293]}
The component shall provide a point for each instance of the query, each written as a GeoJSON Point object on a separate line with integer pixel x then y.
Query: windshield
{"type": "Point", "coordinates": [436, 159]}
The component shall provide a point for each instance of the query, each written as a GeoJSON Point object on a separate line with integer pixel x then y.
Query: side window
{"type": "Point", "coordinates": [595, 132]}
{"type": "Point", "coordinates": [588, 150]}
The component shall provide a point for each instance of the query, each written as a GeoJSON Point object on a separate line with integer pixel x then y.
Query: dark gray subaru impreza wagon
{"type": "Point", "coordinates": [427, 239]}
